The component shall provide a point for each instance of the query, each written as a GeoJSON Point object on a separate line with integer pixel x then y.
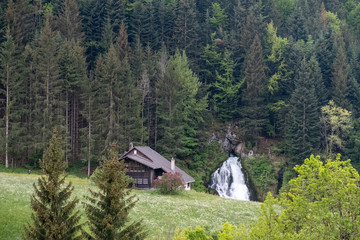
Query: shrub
{"type": "Point", "coordinates": [169, 183]}
{"type": "Point", "coordinates": [192, 234]}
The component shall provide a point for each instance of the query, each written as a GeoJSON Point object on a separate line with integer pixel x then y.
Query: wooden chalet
{"type": "Point", "coordinates": [145, 165]}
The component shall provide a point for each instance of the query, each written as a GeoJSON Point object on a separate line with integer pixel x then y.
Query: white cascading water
{"type": "Point", "coordinates": [229, 181]}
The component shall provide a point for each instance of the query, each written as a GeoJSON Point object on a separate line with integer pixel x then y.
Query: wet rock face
{"type": "Point", "coordinates": [231, 142]}
{"type": "Point", "coordinates": [227, 138]}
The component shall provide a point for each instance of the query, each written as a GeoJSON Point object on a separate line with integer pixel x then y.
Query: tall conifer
{"type": "Point", "coordinates": [341, 71]}
{"type": "Point", "coordinates": [303, 131]}
{"type": "Point", "coordinates": [254, 111]}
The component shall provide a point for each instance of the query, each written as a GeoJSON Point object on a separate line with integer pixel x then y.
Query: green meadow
{"type": "Point", "coordinates": [162, 215]}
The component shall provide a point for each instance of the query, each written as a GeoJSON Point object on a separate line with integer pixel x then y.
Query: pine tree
{"type": "Point", "coordinates": [88, 112]}
{"type": "Point", "coordinates": [297, 26]}
{"type": "Point", "coordinates": [68, 22]}
{"type": "Point", "coordinates": [303, 131]}
{"type": "Point", "coordinates": [19, 17]}
{"type": "Point", "coordinates": [325, 55]}
{"type": "Point", "coordinates": [254, 111]}
{"type": "Point", "coordinates": [108, 208]}
{"type": "Point", "coordinates": [72, 75]}
{"type": "Point", "coordinates": [186, 27]}
{"type": "Point", "coordinates": [13, 92]}
{"type": "Point", "coordinates": [179, 110]}
{"type": "Point", "coordinates": [129, 109]}
{"type": "Point", "coordinates": [54, 216]}
{"type": "Point", "coordinates": [226, 89]}
{"type": "Point", "coordinates": [49, 107]}
{"type": "Point", "coordinates": [107, 90]}
{"type": "Point", "coordinates": [341, 79]}
{"type": "Point", "coordinates": [315, 73]}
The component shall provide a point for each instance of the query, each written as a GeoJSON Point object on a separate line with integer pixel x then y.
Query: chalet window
{"type": "Point", "coordinates": [145, 181]}
{"type": "Point", "coordinates": [139, 181]}
{"type": "Point", "coordinates": [135, 167]}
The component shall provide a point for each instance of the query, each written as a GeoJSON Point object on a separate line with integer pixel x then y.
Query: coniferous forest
{"type": "Point", "coordinates": [167, 73]}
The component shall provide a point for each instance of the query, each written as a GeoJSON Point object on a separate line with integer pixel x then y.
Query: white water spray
{"type": "Point", "coordinates": [229, 181]}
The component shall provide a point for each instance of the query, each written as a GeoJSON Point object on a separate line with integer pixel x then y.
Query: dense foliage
{"type": "Point", "coordinates": [262, 174]}
{"type": "Point", "coordinates": [166, 73]}
{"type": "Point", "coordinates": [321, 203]}
{"type": "Point", "coordinates": [54, 216]}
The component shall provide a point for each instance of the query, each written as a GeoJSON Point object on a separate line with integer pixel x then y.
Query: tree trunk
{"type": "Point", "coordinates": [66, 126]}
{"type": "Point", "coordinates": [89, 137]}
{"type": "Point", "coordinates": [7, 118]}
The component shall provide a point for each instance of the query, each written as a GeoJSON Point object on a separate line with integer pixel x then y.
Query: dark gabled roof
{"type": "Point", "coordinates": [154, 160]}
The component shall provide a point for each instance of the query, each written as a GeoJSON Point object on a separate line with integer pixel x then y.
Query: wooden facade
{"type": "Point", "coordinates": [143, 176]}
{"type": "Point", "coordinates": [145, 165]}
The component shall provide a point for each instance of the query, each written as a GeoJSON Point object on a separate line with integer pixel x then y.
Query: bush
{"type": "Point", "coordinates": [192, 234]}
{"type": "Point", "coordinates": [169, 183]}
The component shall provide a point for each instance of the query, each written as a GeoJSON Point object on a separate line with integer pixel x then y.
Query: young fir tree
{"type": "Point", "coordinates": [53, 216]}
{"type": "Point", "coordinates": [108, 209]}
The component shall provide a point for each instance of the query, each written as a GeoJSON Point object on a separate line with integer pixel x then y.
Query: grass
{"type": "Point", "coordinates": [161, 214]}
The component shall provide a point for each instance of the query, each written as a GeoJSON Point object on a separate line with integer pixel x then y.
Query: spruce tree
{"type": "Point", "coordinates": [72, 77]}
{"type": "Point", "coordinates": [303, 131]}
{"type": "Point", "coordinates": [179, 109]}
{"type": "Point", "coordinates": [107, 90]}
{"type": "Point", "coordinates": [19, 16]}
{"type": "Point", "coordinates": [10, 80]}
{"type": "Point", "coordinates": [49, 99]}
{"type": "Point", "coordinates": [69, 23]}
{"type": "Point", "coordinates": [315, 73]}
{"type": "Point", "coordinates": [341, 72]}
{"type": "Point", "coordinates": [108, 208]}
{"type": "Point", "coordinates": [54, 216]}
{"type": "Point", "coordinates": [186, 27]}
{"type": "Point", "coordinates": [254, 111]}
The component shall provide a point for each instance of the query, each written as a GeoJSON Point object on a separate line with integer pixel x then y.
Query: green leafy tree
{"type": "Point", "coordinates": [108, 208]}
{"type": "Point", "coordinates": [54, 215]}
{"type": "Point", "coordinates": [321, 203]}
{"type": "Point", "coordinates": [190, 233]}
{"type": "Point", "coordinates": [336, 123]}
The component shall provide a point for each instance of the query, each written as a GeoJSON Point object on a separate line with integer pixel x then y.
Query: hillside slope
{"type": "Point", "coordinates": [161, 214]}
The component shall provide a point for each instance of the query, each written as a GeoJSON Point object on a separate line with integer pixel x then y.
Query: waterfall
{"type": "Point", "coordinates": [229, 181]}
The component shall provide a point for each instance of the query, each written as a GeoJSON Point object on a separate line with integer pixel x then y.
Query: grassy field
{"type": "Point", "coordinates": [161, 214]}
